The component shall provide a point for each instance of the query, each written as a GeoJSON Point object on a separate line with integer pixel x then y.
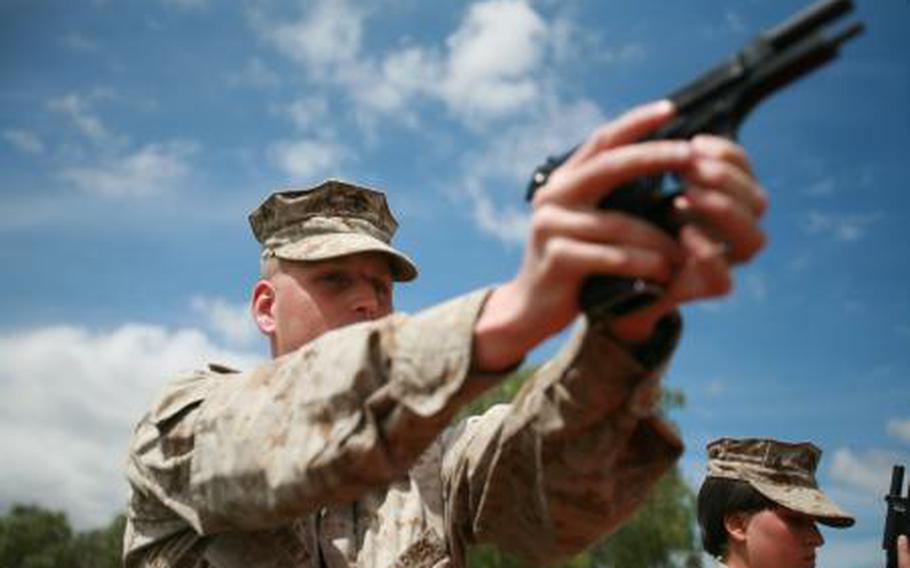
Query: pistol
{"type": "Point", "coordinates": [897, 519]}
{"type": "Point", "coordinates": [717, 102]}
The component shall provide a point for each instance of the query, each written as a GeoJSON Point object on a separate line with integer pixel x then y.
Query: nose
{"type": "Point", "coordinates": [814, 536]}
{"type": "Point", "coordinates": [365, 300]}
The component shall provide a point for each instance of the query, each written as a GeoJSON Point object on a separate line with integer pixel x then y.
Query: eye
{"type": "Point", "coordinates": [383, 288]}
{"type": "Point", "coordinates": [336, 279]}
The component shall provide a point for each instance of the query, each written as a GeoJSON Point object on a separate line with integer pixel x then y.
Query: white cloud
{"type": "Point", "coordinates": [78, 42]}
{"type": "Point", "coordinates": [231, 322]}
{"type": "Point", "coordinates": [151, 170]}
{"type": "Point", "coordinates": [492, 57]}
{"type": "Point", "coordinates": [485, 69]}
{"type": "Point", "coordinates": [821, 188]}
{"type": "Point", "coordinates": [868, 472]}
{"type": "Point", "coordinates": [899, 428]}
{"type": "Point", "coordinates": [69, 398]}
{"type": "Point", "coordinates": [328, 35]}
{"type": "Point", "coordinates": [841, 227]}
{"type": "Point", "coordinates": [756, 283]}
{"type": "Point", "coordinates": [304, 159]}
{"type": "Point", "coordinates": [497, 173]}
{"type": "Point", "coordinates": [25, 140]}
{"type": "Point", "coordinates": [255, 74]}
{"type": "Point", "coordinates": [308, 113]}
{"type": "Point", "coordinates": [79, 109]}
{"type": "Point", "coordinates": [187, 4]}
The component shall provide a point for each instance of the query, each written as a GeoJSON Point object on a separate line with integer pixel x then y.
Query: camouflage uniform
{"type": "Point", "coordinates": [338, 454]}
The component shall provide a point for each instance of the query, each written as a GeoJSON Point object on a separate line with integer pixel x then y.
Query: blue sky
{"type": "Point", "coordinates": [135, 137]}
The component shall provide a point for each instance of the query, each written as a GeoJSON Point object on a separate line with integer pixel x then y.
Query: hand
{"type": "Point", "coordinates": [724, 203]}
{"type": "Point", "coordinates": [571, 238]}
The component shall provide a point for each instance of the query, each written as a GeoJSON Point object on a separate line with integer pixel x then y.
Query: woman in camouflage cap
{"type": "Point", "coordinates": [759, 505]}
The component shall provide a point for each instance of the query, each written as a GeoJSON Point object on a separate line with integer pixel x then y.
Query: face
{"type": "Point", "coordinates": [776, 538]}
{"type": "Point", "coordinates": [303, 300]}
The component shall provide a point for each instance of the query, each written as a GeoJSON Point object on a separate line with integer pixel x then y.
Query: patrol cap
{"type": "Point", "coordinates": [332, 219]}
{"type": "Point", "coordinates": [781, 471]}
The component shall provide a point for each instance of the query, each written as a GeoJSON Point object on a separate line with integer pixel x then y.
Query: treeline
{"type": "Point", "coordinates": [34, 537]}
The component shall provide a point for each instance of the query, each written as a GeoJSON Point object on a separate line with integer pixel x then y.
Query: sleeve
{"type": "Point", "coordinates": [346, 413]}
{"type": "Point", "coordinates": [572, 456]}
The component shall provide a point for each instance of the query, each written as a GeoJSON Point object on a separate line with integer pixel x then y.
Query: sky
{"type": "Point", "coordinates": [135, 137]}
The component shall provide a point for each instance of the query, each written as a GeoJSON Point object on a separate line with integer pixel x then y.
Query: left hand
{"type": "Point", "coordinates": [724, 203]}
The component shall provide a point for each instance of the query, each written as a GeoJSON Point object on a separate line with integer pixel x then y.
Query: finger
{"type": "Point", "coordinates": [563, 257]}
{"type": "Point", "coordinates": [718, 148]}
{"type": "Point", "coordinates": [903, 552]}
{"type": "Point", "coordinates": [601, 226]}
{"type": "Point", "coordinates": [591, 181]}
{"type": "Point", "coordinates": [630, 127]}
{"type": "Point", "coordinates": [727, 221]}
{"type": "Point", "coordinates": [729, 178]}
{"type": "Point", "coordinates": [705, 273]}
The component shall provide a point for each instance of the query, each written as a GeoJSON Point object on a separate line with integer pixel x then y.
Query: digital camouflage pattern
{"type": "Point", "coordinates": [332, 219]}
{"type": "Point", "coordinates": [783, 472]}
{"type": "Point", "coordinates": [339, 455]}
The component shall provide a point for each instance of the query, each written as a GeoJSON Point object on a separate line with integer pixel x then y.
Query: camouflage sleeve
{"type": "Point", "coordinates": [573, 455]}
{"type": "Point", "coordinates": [346, 413]}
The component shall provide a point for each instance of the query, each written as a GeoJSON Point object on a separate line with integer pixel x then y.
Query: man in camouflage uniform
{"type": "Point", "coordinates": [759, 504]}
{"type": "Point", "coordinates": [337, 452]}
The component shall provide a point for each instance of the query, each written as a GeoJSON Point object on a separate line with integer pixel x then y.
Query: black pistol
{"type": "Point", "coordinates": [897, 519]}
{"type": "Point", "coordinates": [715, 103]}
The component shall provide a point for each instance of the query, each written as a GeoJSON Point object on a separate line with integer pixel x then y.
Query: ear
{"type": "Point", "coordinates": [736, 524]}
{"type": "Point", "coordinates": [262, 306]}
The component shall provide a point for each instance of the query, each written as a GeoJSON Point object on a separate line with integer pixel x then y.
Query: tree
{"type": "Point", "coordinates": [33, 537]}
{"type": "Point", "coordinates": [659, 535]}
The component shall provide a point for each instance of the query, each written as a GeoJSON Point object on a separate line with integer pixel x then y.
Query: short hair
{"type": "Point", "coordinates": [719, 497]}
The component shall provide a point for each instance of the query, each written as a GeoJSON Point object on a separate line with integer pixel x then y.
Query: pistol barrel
{"type": "Point", "coordinates": [804, 22]}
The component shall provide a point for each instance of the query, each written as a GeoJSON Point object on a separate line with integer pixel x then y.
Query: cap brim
{"type": "Point", "coordinates": [333, 245]}
{"type": "Point", "coordinates": [807, 500]}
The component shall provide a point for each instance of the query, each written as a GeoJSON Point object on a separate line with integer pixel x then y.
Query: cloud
{"type": "Point", "coordinates": [79, 109]}
{"type": "Point", "coordinates": [78, 42]}
{"type": "Point", "coordinates": [230, 322]}
{"type": "Point", "coordinates": [756, 284]}
{"type": "Point", "coordinates": [255, 74]}
{"type": "Point", "coordinates": [842, 227]}
{"type": "Point", "coordinates": [899, 429]}
{"type": "Point", "coordinates": [69, 398]}
{"type": "Point", "coordinates": [498, 171]}
{"type": "Point", "coordinates": [328, 35]}
{"type": "Point", "coordinates": [151, 170]}
{"type": "Point", "coordinates": [821, 188]}
{"type": "Point", "coordinates": [24, 140]}
{"type": "Point", "coordinates": [485, 69]}
{"type": "Point", "coordinates": [868, 472]}
{"type": "Point", "coordinates": [187, 4]}
{"type": "Point", "coordinates": [307, 113]}
{"type": "Point", "coordinates": [491, 58]}
{"type": "Point", "coordinates": [303, 159]}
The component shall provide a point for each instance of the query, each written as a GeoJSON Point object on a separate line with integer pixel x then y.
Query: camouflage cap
{"type": "Point", "coordinates": [329, 220]}
{"type": "Point", "coordinates": [781, 471]}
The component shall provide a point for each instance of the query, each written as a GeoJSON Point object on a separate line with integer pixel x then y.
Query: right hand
{"type": "Point", "coordinates": [571, 238]}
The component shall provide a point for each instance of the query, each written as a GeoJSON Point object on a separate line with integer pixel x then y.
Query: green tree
{"type": "Point", "coordinates": [33, 537]}
{"type": "Point", "coordinates": [659, 535]}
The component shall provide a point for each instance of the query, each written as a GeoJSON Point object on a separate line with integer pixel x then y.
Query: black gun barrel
{"type": "Point", "coordinates": [804, 22]}
{"type": "Point", "coordinates": [897, 480]}
{"type": "Point", "coordinates": [847, 34]}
